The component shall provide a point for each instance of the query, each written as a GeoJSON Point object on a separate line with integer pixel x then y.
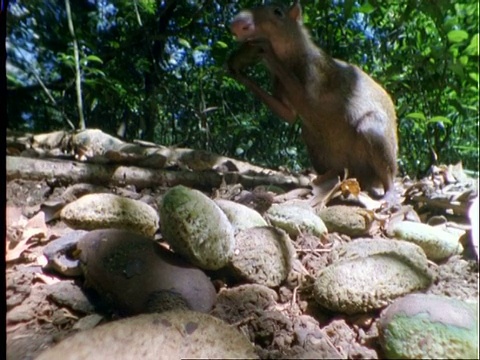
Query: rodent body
{"type": "Point", "coordinates": [348, 120]}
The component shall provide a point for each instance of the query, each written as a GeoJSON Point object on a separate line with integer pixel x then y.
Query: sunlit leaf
{"type": "Point", "coordinates": [472, 48]}
{"type": "Point", "coordinates": [94, 58]}
{"type": "Point", "coordinates": [221, 44]}
{"type": "Point", "coordinates": [184, 43]}
{"type": "Point", "coordinates": [148, 6]}
{"type": "Point", "coordinates": [463, 60]}
{"type": "Point", "coordinates": [202, 48]}
{"type": "Point", "coordinates": [366, 8]}
{"type": "Point", "coordinates": [441, 119]}
{"type": "Point", "coordinates": [13, 79]}
{"type": "Point", "coordinates": [457, 36]}
{"type": "Point", "coordinates": [473, 76]}
{"type": "Point", "coordinates": [416, 115]}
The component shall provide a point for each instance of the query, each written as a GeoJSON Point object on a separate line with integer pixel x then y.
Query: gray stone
{"type": "Point", "coordinates": [137, 275]}
{"type": "Point", "coordinates": [368, 274]}
{"type": "Point", "coordinates": [263, 255]}
{"type": "Point", "coordinates": [420, 326]}
{"type": "Point", "coordinates": [196, 228]}
{"type": "Point", "coordinates": [102, 211]}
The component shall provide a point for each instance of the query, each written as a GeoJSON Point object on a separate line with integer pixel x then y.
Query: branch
{"type": "Point", "coordinates": [78, 77]}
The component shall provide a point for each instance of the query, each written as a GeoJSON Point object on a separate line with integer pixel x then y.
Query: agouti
{"type": "Point", "coordinates": [348, 120]}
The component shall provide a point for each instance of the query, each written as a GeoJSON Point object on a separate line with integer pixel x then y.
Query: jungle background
{"type": "Point", "coordinates": [154, 70]}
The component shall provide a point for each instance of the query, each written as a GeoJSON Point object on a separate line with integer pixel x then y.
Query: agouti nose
{"type": "Point", "coordinates": [242, 25]}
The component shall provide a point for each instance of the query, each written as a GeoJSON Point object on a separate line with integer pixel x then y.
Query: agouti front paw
{"type": "Point", "coordinates": [263, 46]}
{"type": "Point", "coordinates": [245, 56]}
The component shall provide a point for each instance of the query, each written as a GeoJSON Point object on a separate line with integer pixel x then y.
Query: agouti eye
{"type": "Point", "coordinates": [278, 12]}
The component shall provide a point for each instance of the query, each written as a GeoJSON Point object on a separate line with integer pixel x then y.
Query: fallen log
{"type": "Point", "coordinates": [67, 172]}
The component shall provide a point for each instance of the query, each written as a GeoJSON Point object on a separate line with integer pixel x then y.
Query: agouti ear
{"type": "Point", "coordinates": [295, 11]}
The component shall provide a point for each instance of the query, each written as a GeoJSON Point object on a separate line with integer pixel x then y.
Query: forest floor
{"type": "Point", "coordinates": [44, 307]}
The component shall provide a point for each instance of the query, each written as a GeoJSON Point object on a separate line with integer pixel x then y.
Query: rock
{"type": "Point", "coordinates": [420, 326]}
{"type": "Point", "coordinates": [240, 216]}
{"type": "Point", "coordinates": [137, 275]}
{"type": "Point", "coordinates": [473, 215]}
{"type": "Point", "coordinates": [456, 277]}
{"type": "Point", "coordinates": [196, 228]}
{"type": "Point", "coordinates": [18, 286]}
{"type": "Point", "coordinates": [170, 335]}
{"type": "Point", "coordinates": [437, 244]}
{"type": "Point", "coordinates": [66, 293]}
{"type": "Point", "coordinates": [236, 303]}
{"type": "Point", "coordinates": [58, 257]}
{"type": "Point", "coordinates": [263, 255]}
{"type": "Point", "coordinates": [315, 342]}
{"type": "Point", "coordinates": [101, 211]}
{"type": "Point", "coordinates": [348, 340]}
{"type": "Point", "coordinates": [88, 322]}
{"type": "Point", "coordinates": [367, 274]}
{"type": "Point", "coordinates": [295, 220]}
{"type": "Point", "coordinates": [21, 313]}
{"type": "Point", "coordinates": [96, 141]}
{"type": "Point", "coordinates": [349, 220]}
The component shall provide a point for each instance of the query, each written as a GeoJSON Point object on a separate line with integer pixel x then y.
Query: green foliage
{"type": "Point", "coordinates": [156, 68]}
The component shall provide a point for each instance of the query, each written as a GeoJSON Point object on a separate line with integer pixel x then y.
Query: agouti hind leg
{"type": "Point", "coordinates": [380, 149]}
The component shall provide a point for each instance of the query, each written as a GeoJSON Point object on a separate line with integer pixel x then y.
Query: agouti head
{"type": "Point", "coordinates": [281, 25]}
{"type": "Point", "coordinates": [265, 21]}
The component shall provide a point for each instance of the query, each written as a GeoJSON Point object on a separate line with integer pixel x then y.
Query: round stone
{"type": "Point", "coordinates": [178, 334]}
{"type": "Point", "coordinates": [368, 274]}
{"type": "Point", "coordinates": [263, 255]}
{"type": "Point", "coordinates": [196, 228]}
{"type": "Point", "coordinates": [420, 326]}
{"type": "Point", "coordinates": [136, 275]}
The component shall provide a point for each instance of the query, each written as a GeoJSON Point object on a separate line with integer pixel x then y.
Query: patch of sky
{"type": "Point", "coordinates": [106, 15]}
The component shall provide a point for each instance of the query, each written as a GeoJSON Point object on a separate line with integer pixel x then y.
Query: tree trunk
{"type": "Point", "coordinates": [78, 74]}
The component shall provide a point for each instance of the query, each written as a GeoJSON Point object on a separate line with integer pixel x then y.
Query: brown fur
{"type": "Point", "coordinates": [348, 120]}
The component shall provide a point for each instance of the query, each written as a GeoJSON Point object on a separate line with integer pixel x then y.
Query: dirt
{"type": "Point", "coordinates": [43, 307]}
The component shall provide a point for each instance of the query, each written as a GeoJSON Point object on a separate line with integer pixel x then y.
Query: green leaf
{"type": "Point", "coordinates": [94, 58]}
{"type": "Point", "coordinates": [92, 71]}
{"type": "Point", "coordinates": [366, 8]}
{"type": "Point", "coordinates": [416, 115]}
{"type": "Point", "coordinates": [457, 69]}
{"type": "Point", "coordinates": [148, 6]}
{"type": "Point", "coordinates": [473, 76]}
{"type": "Point", "coordinates": [202, 47]}
{"type": "Point", "coordinates": [457, 36]}
{"type": "Point", "coordinates": [463, 60]}
{"type": "Point", "coordinates": [184, 43]}
{"type": "Point", "coordinates": [221, 44]}
{"type": "Point", "coordinates": [466, 147]}
{"type": "Point", "coordinates": [441, 119]}
{"type": "Point", "coordinates": [472, 48]}
{"type": "Point", "coordinates": [13, 79]}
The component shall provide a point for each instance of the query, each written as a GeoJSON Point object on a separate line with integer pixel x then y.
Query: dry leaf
{"type": "Point", "coordinates": [350, 186]}
{"type": "Point", "coordinates": [47, 279]}
{"type": "Point", "coordinates": [41, 260]}
{"type": "Point", "coordinates": [52, 209]}
{"type": "Point", "coordinates": [13, 215]}
{"type": "Point", "coordinates": [35, 227]}
{"type": "Point", "coordinates": [323, 190]}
